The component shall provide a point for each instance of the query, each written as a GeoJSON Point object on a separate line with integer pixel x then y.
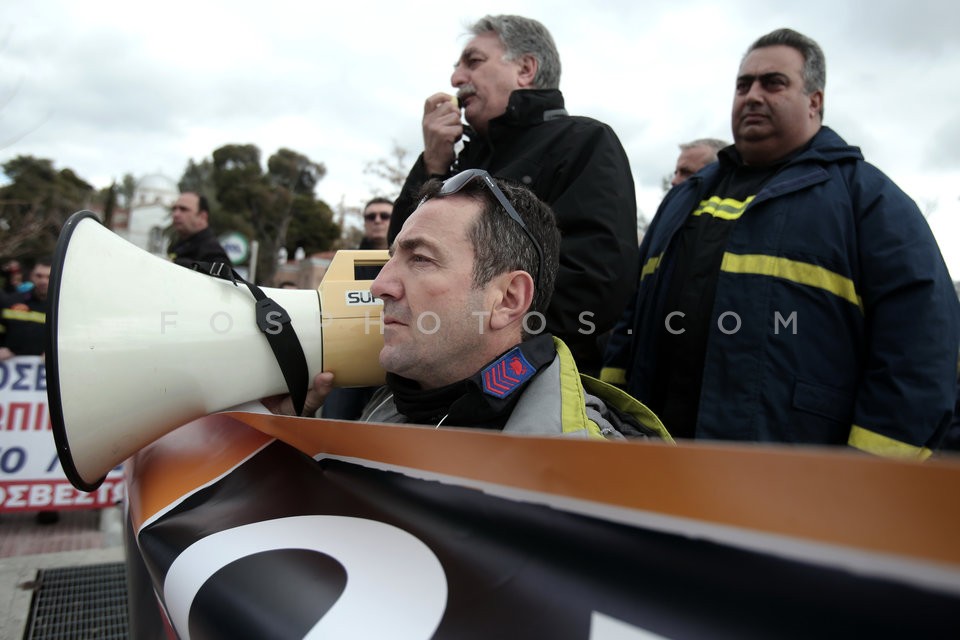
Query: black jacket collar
{"type": "Point", "coordinates": [483, 400]}
{"type": "Point", "coordinates": [525, 108]}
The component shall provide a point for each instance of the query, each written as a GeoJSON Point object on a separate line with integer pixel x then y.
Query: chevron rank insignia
{"type": "Point", "coordinates": [507, 373]}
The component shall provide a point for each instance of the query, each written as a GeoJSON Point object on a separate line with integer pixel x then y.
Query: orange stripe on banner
{"type": "Point", "coordinates": [818, 494]}
{"type": "Point", "coordinates": [181, 462]}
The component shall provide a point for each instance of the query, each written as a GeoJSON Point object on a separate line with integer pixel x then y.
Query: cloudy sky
{"type": "Point", "coordinates": [108, 87]}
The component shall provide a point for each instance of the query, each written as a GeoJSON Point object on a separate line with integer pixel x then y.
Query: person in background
{"type": "Point", "coordinates": [791, 292]}
{"type": "Point", "coordinates": [695, 155]}
{"type": "Point", "coordinates": [507, 81]}
{"type": "Point", "coordinates": [24, 316]}
{"type": "Point", "coordinates": [376, 223]}
{"type": "Point", "coordinates": [348, 403]}
{"type": "Point", "coordinates": [195, 241]}
{"type": "Point", "coordinates": [13, 282]}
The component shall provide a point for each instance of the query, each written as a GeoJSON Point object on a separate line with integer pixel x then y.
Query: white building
{"type": "Point", "coordinates": [150, 212]}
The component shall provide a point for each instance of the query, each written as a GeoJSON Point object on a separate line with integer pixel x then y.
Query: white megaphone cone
{"type": "Point", "coordinates": [137, 346]}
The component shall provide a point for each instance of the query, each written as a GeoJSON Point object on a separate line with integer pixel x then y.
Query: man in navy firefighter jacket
{"type": "Point", "coordinates": [23, 316]}
{"type": "Point", "coordinates": [791, 292]}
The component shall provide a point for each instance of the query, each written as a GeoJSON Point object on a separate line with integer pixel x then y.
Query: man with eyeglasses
{"type": "Point", "coordinates": [348, 403]}
{"type": "Point", "coordinates": [376, 222]}
{"type": "Point", "coordinates": [195, 241]}
{"type": "Point", "coordinates": [469, 277]}
{"type": "Point", "coordinates": [507, 81]}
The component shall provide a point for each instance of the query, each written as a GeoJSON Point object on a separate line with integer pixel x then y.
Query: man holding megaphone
{"type": "Point", "coordinates": [464, 292]}
{"type": "Point", "coordinates": [461, 299]}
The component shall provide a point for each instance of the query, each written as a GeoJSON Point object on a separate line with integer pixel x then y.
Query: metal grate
{"type": "Point", "coordinates": [79, 603]}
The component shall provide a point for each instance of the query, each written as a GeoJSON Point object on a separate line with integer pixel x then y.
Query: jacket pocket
{"type": "Point", "coordinates": [821, 414]}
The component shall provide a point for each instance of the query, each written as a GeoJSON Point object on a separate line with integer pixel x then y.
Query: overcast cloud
{"type": "Point", "coordinates": [107, 88]}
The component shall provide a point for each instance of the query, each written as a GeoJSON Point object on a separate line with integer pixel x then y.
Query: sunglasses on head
{"type": "Point", "coordinates": [456, 183]}
{"type": "Point", "coordinates": [370, 217]}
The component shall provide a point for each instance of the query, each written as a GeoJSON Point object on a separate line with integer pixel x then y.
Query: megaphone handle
{"type": "Point", "coordinates": [274, 322]}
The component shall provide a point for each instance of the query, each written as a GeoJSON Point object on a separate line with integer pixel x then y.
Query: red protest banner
{"type": "Point", "coordinates": [31, 478]}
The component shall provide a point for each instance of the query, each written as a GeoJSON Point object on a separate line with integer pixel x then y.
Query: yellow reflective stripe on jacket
{"type": "Point", "coordinates": [650, 266]}
{"type": "Point", "coordinates": [723, 208]}
{"type": "Point", "coordinates": [880, 445]}
{"type": "Point", "coordinates": [800, 272]}
{"type": "Point", "coordinates": [613, 375]}
{"type": "Point", "coordinates": [573, 409]}
{"type": "Point", "coordinates": [26, 316]}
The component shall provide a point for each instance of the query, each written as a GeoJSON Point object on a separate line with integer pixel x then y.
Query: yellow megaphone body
{"type": "Point", "coordinates": [137, 346]}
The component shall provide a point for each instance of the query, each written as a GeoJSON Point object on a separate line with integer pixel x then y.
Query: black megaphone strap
{"type": "Point", "coordinates": [274, 322]}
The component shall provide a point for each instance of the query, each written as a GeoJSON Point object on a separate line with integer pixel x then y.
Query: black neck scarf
{"type": "Point", "coordinates": [485, 399]}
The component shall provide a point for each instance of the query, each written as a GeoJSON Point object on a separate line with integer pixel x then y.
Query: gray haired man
{"type": "Point", "coordinates": [507, 81]}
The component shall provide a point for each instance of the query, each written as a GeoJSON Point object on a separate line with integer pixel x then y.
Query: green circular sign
{"type": "Point", "coordinates": [236, 246]}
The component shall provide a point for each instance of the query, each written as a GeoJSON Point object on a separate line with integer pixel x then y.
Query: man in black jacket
{"type": "Point", "coordinates": [196, 241]}
{"type": "Point", "coordinates": [507, 82]}
{"type": "Point", "coordinates": [348, 403]}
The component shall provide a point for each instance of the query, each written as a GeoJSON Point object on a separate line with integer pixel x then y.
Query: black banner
{"type": "Point", "coordinates": [288, 547]}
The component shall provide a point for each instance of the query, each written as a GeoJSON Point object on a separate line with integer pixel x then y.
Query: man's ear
{"type": "Point", "coordinates": [514, 297]}
{"type": "Point", "coordinates": [816, 103]}
{"type": "Point", "coordinates": [527, 71]}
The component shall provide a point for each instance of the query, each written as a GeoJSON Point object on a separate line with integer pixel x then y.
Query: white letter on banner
{"type": "Point", "coordinates": [606, 628]}
{"type": "Point", "coordinates": [385, 565]}
{"type": "Point", "coordinates": [16, 495]}
{"type": "Point", "coordinates": [40, 495]}
{"type": "Point", "coordinates": [63, 495]}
